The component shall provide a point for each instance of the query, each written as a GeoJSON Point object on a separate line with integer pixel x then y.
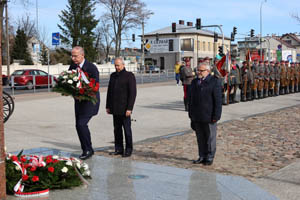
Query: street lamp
{"type": "Point", "coordinates": [260, 41]}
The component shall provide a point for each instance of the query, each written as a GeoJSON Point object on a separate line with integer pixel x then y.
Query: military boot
{"type": "Point", "coordinates": [266, 94]}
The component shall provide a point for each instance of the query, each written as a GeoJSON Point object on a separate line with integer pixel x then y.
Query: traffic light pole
{"type": "Point", "coordinates": [218, 26]}
{"type": "Point", "coordinates": [143, 46]}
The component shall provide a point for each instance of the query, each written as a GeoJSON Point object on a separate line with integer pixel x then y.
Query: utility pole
{"type": "Point", "coordinates": [7, 43]}
{"type": "Point", "coordinates": [2, 142]}
{"type": "Point", "coordinates": [143, 46]}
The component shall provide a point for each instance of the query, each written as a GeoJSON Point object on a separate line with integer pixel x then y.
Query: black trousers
{"type": "Point", "coordinates": [84, 132]}
{"type": "Point", "coordinates": [206, 138]}
{"type": "Point", "coordinates": [122, 122]}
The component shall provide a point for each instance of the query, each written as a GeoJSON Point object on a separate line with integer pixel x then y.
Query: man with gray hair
{"type": "Point", "coordinates": [204, 111]}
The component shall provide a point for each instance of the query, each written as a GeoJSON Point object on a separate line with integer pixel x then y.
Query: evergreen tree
{"type": "Point", "coordinates": [78, 25]}
{"type": "Point", "coordinates": [20, 48]}
{"type": "Point", "coordinates": [44, 55]}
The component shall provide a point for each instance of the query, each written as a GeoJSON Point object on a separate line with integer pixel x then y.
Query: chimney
{"type": "Point", "coordinates": [181, 22]}
{"type": "Point", "coordinates": [189, 23]}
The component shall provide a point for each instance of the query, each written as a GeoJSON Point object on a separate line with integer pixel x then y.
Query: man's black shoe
{"type": "Point", "coordinates": [199, 161]}
{"type": "Point", "coordinates": [86, 155]}
{"type": "Point", "coordinates": [208, 162]}
{"type": "Point", "coordinates": [126, 154]}
{"type": "Point", "coordinates": [116, 153]}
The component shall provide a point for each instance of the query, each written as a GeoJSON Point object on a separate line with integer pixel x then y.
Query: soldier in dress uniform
{"type": "Point", "coordinates": [272, 79]}
{"type": "Point", "coordinates": [266, 78]}
{"type": "Point", "coordinates": [282, 78]}
{"type": "Point", "coordinates": [297, 76]}
{"type": "Point", "coordinates": [292, 77]}
{"type": "Point", "coordinates": [234, 80]}
{"type": "Point", "coordinates": [261, 78]}
{"type": "Point", "coordinates": [246, 82]}
{"type": "Point", "coordinates": [277, 71]}
{"type": "Point", "coordinates": [255, 70]}
{"type": "Point", "coordinates": [288, 77]}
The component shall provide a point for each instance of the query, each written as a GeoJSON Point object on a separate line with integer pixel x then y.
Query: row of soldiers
{"type": "Point", "coordinates": [263, 79]}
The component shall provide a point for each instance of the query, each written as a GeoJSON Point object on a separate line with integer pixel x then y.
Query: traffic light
{"type": "Point", "coordinates": [234, 30]}
{"type": "Point", "coordinates": [133, 37]}
{"type": "Point", "coordinates": [252, 33]}
{"type": "Point", "coordinates": [198, 23]}
{"type": "Point", "coordinates": [173, 27]}
{"type": "Point", "coordinates": [232, 37]}
{"type": "Point", "coordinates": [215, 37]}
{"type": "Point", "coordinates": [221, 51]}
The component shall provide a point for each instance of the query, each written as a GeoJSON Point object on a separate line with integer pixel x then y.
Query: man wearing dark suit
{"type": "Point", "coordinates": [205, 110]}
{"type": "Point", "coordinates": [121, 94]}
{"type": "Point", "coordinates": [84, 110]}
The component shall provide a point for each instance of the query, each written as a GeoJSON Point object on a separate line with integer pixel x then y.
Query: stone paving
{"type": "Point", "coordinates": [253, 147]}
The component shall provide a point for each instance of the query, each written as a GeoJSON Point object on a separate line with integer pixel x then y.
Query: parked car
{"type": "Point", "coordinates": [25, 77]}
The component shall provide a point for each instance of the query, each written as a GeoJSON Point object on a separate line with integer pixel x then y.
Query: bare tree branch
{"type": "Point", "coordinates": [124, 15]}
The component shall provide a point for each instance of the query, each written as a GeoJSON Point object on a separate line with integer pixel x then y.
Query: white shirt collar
{"type": "Point", "coordinates": [81, 64]}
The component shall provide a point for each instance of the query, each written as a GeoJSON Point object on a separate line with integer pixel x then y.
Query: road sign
{"type": "Point", "coordinates": [55, 38]}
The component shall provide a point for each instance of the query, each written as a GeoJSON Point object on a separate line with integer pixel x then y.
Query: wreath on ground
{"type": "Point", "coordinates": [33, 175]}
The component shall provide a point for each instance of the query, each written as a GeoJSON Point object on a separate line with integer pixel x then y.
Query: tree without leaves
{"type": "Point", "coordinates": [125, 15]}
{"type": "Point", "coordinates": [105, 37]}
{"type": "Point", "coordinates": [28, 26]}
{"type": "Point", "coordinates": [296, 17]}
{"type": "Point", "coordinates": [78, 25]}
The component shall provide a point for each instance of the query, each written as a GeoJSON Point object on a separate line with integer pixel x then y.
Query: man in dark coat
{"type": "Point", "coordinates": [84, 110]}
{"type": "Point", "coordinates": [205, 110]}
{"type": "Point", "coordinates": [120, 100]}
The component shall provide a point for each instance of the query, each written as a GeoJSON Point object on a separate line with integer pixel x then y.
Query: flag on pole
{"type": "Point", "coordinates": [220, 67]}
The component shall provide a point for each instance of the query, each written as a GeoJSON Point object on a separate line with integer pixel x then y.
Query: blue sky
{"type": "Point", "coordinates": [244, 14]}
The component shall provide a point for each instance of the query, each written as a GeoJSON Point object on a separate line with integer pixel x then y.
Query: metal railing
{"type": "Point", "coordinates": [142, 77]}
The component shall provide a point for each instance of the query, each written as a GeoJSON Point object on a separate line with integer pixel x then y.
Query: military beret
{"type": "Point", "coordinates": [277, 62]}
{"type": "Point", "coordinates": [282, 61]}
{"type": "Point", "coordinates": [261, 61]}
{"type": "Point", "coordinates": [244, 62]}
{"type": "Point", "coordinates": [292, 63]}
{"type": "Point", "coordinates": [255, 59]}
{"type": "Point", "coordinates": [272, 62]}
{"type": "Point", "coordinates": [286, 61]}
{"type": "Point", "coordinates": [266, 61]}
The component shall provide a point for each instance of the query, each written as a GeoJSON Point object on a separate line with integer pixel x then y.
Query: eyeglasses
{"type": "Point", "coordinates": [200, 70]}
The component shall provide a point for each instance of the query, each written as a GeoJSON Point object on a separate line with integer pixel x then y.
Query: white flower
{"type": "Point", "coordinates": [17, 168]}
{"type": "Point", "coordinates": [69, 163]}
{"type": "Point", "coordinates": [75, 78]}
{"type": "Point", "coordinates": [70, 81]}
{"type": "Point", "coordinates": [65, 77]}
{"type": "Point", "coordinates": [78, 84]}
{"type": "Point", "coordinates": [74, 71]}
{"type": "Point", "coordinates": [55, 157]}
{"type": "Point", "coordinates": [64, 170]}
{"type": "Point", "coordinates": [78, 165]}
{"type": "Point", "coordinates": [85, 167]}
{"type": "Point", "coordinates": [86, 173]}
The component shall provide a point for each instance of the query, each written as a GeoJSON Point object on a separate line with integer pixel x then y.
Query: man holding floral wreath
{"type": "Point", "coordinates": [84, 110]}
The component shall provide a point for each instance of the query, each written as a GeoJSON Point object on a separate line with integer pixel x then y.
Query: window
{"type": "Point", "coordinates": [187, 44]}
{"type": "Point", "coordinates": [208, 46]}
{"type": "Point", "coordinates": [203, 46]}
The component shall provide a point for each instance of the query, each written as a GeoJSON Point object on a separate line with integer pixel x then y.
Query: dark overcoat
{"type": "Point", "coordinates": [121, 92]}
{"type": "Point", "coordinates": [205, 100]}
{"type": "Point", "coordinates": [87, 108]}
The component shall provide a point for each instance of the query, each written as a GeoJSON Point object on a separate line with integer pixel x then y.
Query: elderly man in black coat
{"type": "Point", "coordinates": [84, 110]}
{"type": "Point", "coordinates": [121, 94]}
{"type": "Point", "coordinates": [205, 110]}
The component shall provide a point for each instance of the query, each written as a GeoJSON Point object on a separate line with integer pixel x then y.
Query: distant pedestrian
{"type": "Point", "coordinates": [204, 111]}
{"type": "Point", "coordinates": [121, 94]}
{"type": "Point", "coordinates": [187, 77]}
{"type": "Point", "coordinates": [177, 72]}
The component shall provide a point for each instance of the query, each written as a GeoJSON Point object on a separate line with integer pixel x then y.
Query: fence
{"type": "Point", "coordinates": [33, 81]}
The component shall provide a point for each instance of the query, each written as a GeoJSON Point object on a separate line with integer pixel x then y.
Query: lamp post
{"type": "Point", "coordinates": [260, 37]}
